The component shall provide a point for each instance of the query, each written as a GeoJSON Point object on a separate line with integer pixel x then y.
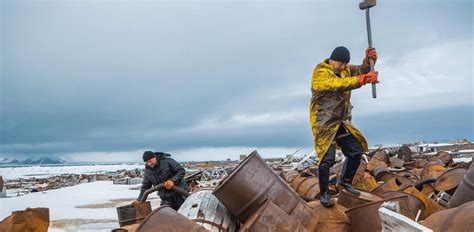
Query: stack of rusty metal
{"type": "Point", "coordinates": [254, 197]}
{"type": "Point", "coordinates": [423, 186]}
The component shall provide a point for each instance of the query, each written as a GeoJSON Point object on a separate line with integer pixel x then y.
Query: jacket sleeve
{"type": "Point", "coordinates": [323, 80]}
{"type": "Point", "coordinates": [178, 169]}
{"type": "Point", "coordinates": [359, 69]}
{"type": "Point", "coordinates": [146, 184]}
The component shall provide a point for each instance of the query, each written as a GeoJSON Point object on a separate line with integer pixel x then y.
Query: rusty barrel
{"type": "Point", "coordinates": [166, 219]}
{"type": "Point", "coordinates": [449, 180]}
{"type": "Point", "coordinates": [309, 187]}
{"type": "Point", "coordinates": [432, 170]}
{"type": "Point", "coordinates": [387, 186]}
{"type": "Point", "coordinates": [251, 184]}
{"type": "Point", "coordinates": [332, 218]}
{"type": "Point", "coordinates": [458, 219]}
{"type": "Point", "coordinates": [349, 200]}
{"type": "Point", "coordinates": [465, 190]}
{"type": "Point", "coordinates": [366, 217]}
{"type": "Point", "coordinates": [205, 209]}
{"type": "Point", "coordinates": [131, 214]}
{"type": "Point", "coordinates": [30, 219]}
{"type": "Point", "coordinates": [363, 180]}
{"type": "Point", "coordinates": [409, 205]}
{"type": "Point", "coordinates": [382, 173]}
{"type": "Point", "coordinates": [396, 162]}
{"type": "Point", "coordinates": [290, 175]}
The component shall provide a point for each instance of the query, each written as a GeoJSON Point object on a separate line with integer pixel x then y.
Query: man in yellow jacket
{"type": "Point", "coordinates": [330, 116]}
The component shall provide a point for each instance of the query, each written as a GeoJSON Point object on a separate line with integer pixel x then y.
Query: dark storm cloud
{"type": "Point", "coordinates": [80, 76]}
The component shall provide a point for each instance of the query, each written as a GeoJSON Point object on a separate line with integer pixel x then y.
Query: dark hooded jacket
{"type": "Point", "coordinates": [165, 169]}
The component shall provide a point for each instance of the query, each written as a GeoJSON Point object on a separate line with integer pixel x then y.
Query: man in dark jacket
{"type": "Point", "coordinates": [161, 168]}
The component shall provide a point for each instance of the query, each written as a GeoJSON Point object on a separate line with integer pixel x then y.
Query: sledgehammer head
{"type": "Point", "coordinates": [367, 4]}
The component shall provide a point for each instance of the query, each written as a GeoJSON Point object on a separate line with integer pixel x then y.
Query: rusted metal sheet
{"type": "Point", "coordinates": [31, 219]}
{"type": "Point", "coordinates": [432, 170]}
{"type": "Point", "coordinates": [131, 214]}
{"type": "Point", "coordinates": [269, 218]}
{"type": "Point", "coordinates": [409, 205]}
{"type": "Point", "coordinates": [457, 219]}
{"type": "Point", "coordinates": [205, 209]}
{"type": "Point", "coordinates": [348, 200]}
{"type": "Point", "coordinates": [449, 180]}
{"type": "Point", "coordinates": [251, 184]}
{"type": "Point", "coordinates": [465, 191]}
{"type": "Point", "coordinates": [166, 219]}
{"type": "Point", "coordinates": [331, 219]}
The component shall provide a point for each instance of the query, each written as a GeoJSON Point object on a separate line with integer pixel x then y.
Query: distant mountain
{"type": "Point", "coordinates": [40, 160]}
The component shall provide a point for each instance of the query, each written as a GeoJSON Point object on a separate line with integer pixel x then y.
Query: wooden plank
{"type": "Point", "coordinates": [394, 222]}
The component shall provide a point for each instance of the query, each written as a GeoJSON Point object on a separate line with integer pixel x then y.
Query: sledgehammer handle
{"type": "Point", "coordinates": [371, 62]}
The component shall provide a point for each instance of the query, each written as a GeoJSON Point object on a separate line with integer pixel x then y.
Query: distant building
{"type": "Point", "coordinates": [433, 147]}
{"type": "Point", "coordinates": [242, 157]}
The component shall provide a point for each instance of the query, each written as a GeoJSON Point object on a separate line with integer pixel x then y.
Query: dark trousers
{"type": "Point", "coordinates": [174, 202]}
{"type": "Point", "coordinates": [351, 149]}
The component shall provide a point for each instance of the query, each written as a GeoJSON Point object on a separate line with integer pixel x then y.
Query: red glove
{"type": "Point", "coordinates": [370, 53]}
{"type": "Point", "coordinates": [371, 77]}
{"type": "Point", "coordinates": [169, 184]}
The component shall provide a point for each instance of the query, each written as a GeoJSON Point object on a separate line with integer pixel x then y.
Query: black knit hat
{"type": "Point", "coordinates": [341, 54]}
{"type": "Point", "coordinates": [147, 155]}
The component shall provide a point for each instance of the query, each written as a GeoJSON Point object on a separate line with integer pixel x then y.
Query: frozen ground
{"type": "Point", "coordinates": [84, 207]}
{"type": "Point", "coordinates": [9, 173]}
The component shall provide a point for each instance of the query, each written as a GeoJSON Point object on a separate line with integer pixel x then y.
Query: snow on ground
{"type": "Point", "coordinates": [9, 173]}
{"type": "Point", "coordinates": [63, 203]}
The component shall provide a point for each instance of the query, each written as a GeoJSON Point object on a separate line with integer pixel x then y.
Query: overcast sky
{"type": "Point", "coordinates": [105, 80]}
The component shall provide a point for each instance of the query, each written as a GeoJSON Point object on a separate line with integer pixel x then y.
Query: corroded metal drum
{"type": "Point", "coordinates": [332, 218]}
{"type": "Point", "coordinates": [465, 190]}
{"type": "Point", "coordinates": [30, 219]}
{"type": "Point", "coordinates": [382, 173]}
{"type": "Point", "coordinates": [349, 200]}
{"type": "Point", "coordinates": [166, 219]}
{"type": "Point", "coordinates": [458, 219]}
{"type": "Point", "coordinates": [365, 217]}
{"type": "Point", "coordinates": [251, 184]}
{"type": "Point", "coordinates": [409, 205]}
{"type": "Point", "coordinates": [432, 170]}
{"type": "Point", "coordinates": [387, 186]}
{"type": "Point", "coordinates": [309, 187]}
{"type": "Point", "coordinates": [449, 180]}
{"type": "Point", "coordinates": [206, 210]}
{"type": "Point", "coordinates": [131, 214]}
{"type": "Point", "coordinates": [290, 175]}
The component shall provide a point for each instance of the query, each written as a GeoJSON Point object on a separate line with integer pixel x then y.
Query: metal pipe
{"type": "Point", "coordinates": [160, 186]}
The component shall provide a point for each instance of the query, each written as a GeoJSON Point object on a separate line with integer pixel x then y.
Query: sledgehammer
{"type": "Point", "coordinates": [365, 5]}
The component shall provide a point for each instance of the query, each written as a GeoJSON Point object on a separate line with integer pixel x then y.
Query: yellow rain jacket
{"type": "Point", "coordinates": [330, 105]}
